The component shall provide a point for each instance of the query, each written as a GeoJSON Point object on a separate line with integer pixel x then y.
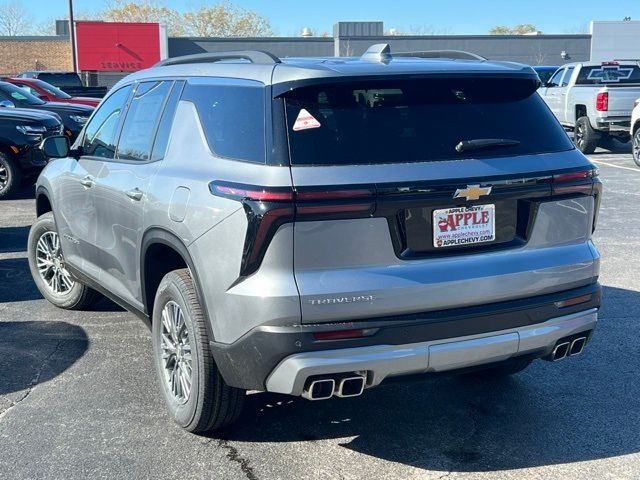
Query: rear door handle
{"type": "Point", "coordinates": [135, 194]}
{"type": "Point", "coordinates": [87, 181]}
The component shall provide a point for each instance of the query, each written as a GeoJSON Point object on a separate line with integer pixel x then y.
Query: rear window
{"type": "Point", "coordinates": [372, 122]}
{"type": "Point", "coordinates": [608, 74]}
{"type": "Point", "coordinates": [232, 117]}
{"type": "Point", "coordinates": [61, 79]}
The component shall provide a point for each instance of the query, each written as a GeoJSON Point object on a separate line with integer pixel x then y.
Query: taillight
{"type": "Point", "coordinates": [580, 181]}
{"type": "Point", "coordinates": [569, 302]}
{"type": "Point", "coordinates": [267, 208]}
{"type": "Point", "coordinates": [602, 101]}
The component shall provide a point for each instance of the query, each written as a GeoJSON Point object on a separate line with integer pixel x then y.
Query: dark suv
{"type": "Point", "coordinates": [73, 116]}
{"type": "Point", "coordinates": [313, 227]}
{"type": "Point", "coordinates": [21, 132]}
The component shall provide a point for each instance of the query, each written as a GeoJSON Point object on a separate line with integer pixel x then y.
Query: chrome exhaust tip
{"type": "Point", "coordinates": [560, 351]}
{"type": "Point", "coordinates": [577, 346]}
{"type": "Point", "coordinates": [321, 389]}
{"type": "Point", "coordinates": [351, 387]}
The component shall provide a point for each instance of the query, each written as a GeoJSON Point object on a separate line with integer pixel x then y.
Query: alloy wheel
{"type": "Point", "coordinates": [51, 266]}
{"type": "Point", "coordinates": [176, 352]}
{"type": "Point", "coordinates": [579, 135]}
{"type": "Point", "coordinates": [636, 145]}
{"type": "Point", "coordinates": [4, 177]}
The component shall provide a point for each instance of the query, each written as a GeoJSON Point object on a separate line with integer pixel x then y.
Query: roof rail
{"type": "Point", "coordinates": [455, 54]}
{"type": "Point", "coordinates": [254, 56]}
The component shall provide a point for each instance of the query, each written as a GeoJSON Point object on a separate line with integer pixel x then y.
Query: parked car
{"type": "Point", "coordinates": [594, 99]}
{"type": "Point", "coordinates": [49, 93]}
{"type": "Point", "coordinates": [314, 228]}
{"type": "Point", "coordinates": [635, 131]}
{"type": "Point", "coordinates": [73, 116]}
{"type": "Point", "coordinates": [545, 72]}
{"type": "Point", "coordinates": [21, 132]}
{"type": "Point", "coordinates": [70, 82]}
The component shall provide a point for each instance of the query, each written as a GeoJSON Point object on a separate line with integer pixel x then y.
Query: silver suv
{"type": "Point", "coordinates": [313, 227]}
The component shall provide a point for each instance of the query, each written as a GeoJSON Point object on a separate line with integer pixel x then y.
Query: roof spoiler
{"type": "Point", "coordinates": [381, 52]}
{"type": "Point", "coordinates": [253, 56]}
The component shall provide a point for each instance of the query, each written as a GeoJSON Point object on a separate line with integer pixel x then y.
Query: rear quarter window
{"type": "Point", "coordinates": [232, 117]}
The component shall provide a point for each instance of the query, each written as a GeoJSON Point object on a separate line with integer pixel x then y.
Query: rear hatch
{"type": "Point", "coordinates": [420, 194]}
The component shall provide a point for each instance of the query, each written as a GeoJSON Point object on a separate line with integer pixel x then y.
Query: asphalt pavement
{"type": "Point", "coordinates": [79, 400]}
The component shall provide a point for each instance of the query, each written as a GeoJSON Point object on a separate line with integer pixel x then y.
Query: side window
{"type": "Point", "coordinates": [555, 79]}
{"type": "Point", "coordinates": [100, 133]}
{"type": "Point", "coordinates": [232, 117]}
{"type": "Point", "coordinates": [27, 88]}
{"type": "Point", "coordinates": [567, 77]}
{"type": "Point", "coordinates": [166, 121]}
{"type": "Point", "coordinates": [140, 122]}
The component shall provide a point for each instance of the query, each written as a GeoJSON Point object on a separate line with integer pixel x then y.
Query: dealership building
{"type": "Point", "coordinates": [106, 51]}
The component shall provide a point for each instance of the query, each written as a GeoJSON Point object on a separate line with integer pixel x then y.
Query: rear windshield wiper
{"type": "Point", "coordinates": [478, 143]}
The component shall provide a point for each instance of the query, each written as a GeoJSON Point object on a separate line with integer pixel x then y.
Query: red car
{"type": "Point", "coordinates": [49, 93]}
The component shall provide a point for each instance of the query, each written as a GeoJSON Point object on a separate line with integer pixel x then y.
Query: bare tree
{"type": "Point", "coordinates": [144, 11]}
{"type": "Point", "coordinates": [520, 29]}
{"type": "Point", "coordinates": [48, 27]}
{"type": "Point", "coordinates": [226, 20]}
{"type": "Point", "coordinates": [15, 19]}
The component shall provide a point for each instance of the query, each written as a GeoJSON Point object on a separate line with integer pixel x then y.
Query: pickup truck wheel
{"type": "Point", "coordinates": [48, 268]}
{"type": "Point", "coordinates": [193, 389]}
{"type": "Point", "coordinates": [503, 369]}
{"type": "Point", "coordinates": [636, 147]}
{"type": "Point", "coordinates": [10, 176]}
{"type": "Point", "coordinates": [584, 136]}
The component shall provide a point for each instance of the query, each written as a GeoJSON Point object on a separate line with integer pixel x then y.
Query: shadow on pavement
{"type": "Point", "coordinates": [13, 239]}
{"type": "Point", "coordinates": [35, 352]}
{"type": "Point", "coordinates": [579, 409]}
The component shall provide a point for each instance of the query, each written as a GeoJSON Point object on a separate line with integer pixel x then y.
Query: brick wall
{"type": "Point", "coordinates": [34, 53]}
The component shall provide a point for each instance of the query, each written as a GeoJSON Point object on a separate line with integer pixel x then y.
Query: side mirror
{"type": "Point", "coordinates": [7, 104]}
{"type": "Point", "coordinates": [55, 147]}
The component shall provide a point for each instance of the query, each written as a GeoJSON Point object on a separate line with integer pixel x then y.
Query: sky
{"type": "Point", "coordinates": [426, 16]}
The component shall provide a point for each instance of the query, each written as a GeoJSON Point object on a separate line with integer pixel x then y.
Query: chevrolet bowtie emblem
{"type": "Point", "coordinates": [472, 192]}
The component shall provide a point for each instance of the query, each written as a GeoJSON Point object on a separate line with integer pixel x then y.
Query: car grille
{"type": "Point", "coordinates": [54, 130]}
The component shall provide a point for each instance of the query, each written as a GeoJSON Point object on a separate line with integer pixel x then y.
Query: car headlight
{"type": "Point", "coordinates": [31, 129]}
{"type": "Point", "coordinates": [79, 119]}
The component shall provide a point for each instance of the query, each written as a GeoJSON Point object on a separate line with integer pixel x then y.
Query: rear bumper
{"type": "Point", "coordinates": [382, 361]}
{"type": "Point", "coordinates": [260, 356]}
{"type": "Point", "coordinates": [614, 124]}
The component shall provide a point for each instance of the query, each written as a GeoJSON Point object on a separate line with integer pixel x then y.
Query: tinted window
{"type": "Point", "coordinates": [555, 80]}
{"type": "Point", "coordinates": [232, 118]}
{"type": "Point", "coordinates": [61, 79]}
{"type": "Point", "coordinates": [17, 95]}
{"type": "Point", "coordinates": [545, 73]}
{"type": "Point", "coordinates": [164, 128]}
{"type": "Point", "coordinates": [606, 74]}
{"type": "Point", "coordinates": [100, 132]}
{"type": "Point", "coordinates": [142, 117]}
{"type": "Point", "coordinates": [567, 77]}
{"type": "Point", "coordinates": [372, 122]}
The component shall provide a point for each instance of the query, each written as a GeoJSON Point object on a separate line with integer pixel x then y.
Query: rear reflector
{"type": "Point", "coordinates": [602, 101]}
{"type": "Point", "coordinates": [569, 302]}
{"type": "Point", "coordinates": [344, 334]}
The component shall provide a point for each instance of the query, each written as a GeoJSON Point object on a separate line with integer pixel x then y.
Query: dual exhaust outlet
{"type": "Point", "coordinates": [568, 348]}
{"type": "Point", "coordinates": [344, 386]}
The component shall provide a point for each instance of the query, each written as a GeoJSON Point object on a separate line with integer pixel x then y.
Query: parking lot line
{"type": "Point", "coordinates": [600, 162]}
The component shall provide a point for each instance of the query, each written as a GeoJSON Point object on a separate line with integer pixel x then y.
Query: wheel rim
{"type": "Point", "coordinates": [4, 176]}
{"type": "Point", "coordinates": [176, 352]}
{"type": "Point", "coordinates": [636, 145]}
{"type": "Point", "coordinates": [579, 135]}
{"type": "Point", "coordinates": [51, 266]}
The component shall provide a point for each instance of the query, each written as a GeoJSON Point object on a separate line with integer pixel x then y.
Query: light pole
{"type": "Point", "coordinates": [72, 34]}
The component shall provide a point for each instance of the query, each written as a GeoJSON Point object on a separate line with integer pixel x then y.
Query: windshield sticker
{"type": "Point", "coordinates": [18, 96]}
{"type": "Point", "coordinates": [611, 73]}
{"type": "Point", "coordinates": [305, 121]}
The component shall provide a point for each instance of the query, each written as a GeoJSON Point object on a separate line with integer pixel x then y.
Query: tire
{"type": "Point", "coordinates": [183, 351]}
{"type": "Point", "coordinates": [503, 369]}
{"type": "Point", "coordinates": [10, 176]}
{"type": "Point", "coordinates": [584, 136]}
{"type": "Point", "coordinates": [43, 250]}
{"type": "Point", "coordinates": [635, 146]}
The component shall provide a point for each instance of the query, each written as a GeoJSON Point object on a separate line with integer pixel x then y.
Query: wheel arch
{"type": "Point", "coordinates": [175, 254]}
{"type": "Point", "coordinates": [635, 127]}
{"type": "Point", "coordinates": [580, 111]}
{"type": "Point", "coordinates": [43, 201]}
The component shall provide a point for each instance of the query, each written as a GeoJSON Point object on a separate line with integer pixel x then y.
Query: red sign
{"type": "Point", "coordinates": [115, 46]}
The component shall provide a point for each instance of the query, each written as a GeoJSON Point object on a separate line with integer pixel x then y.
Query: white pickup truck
{"type": "Point", "coordinates": [594, 99]}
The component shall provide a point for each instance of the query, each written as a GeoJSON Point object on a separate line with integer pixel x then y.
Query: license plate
{"type": "Point", "coordinates": [459, 226]}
